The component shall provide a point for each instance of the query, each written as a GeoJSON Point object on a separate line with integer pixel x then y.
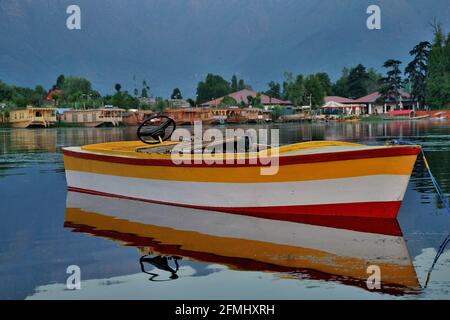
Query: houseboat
{"type": "Point", "coordinates": [94, 117]}
{"type": "Point", "coordinates": [32, 117]}
{"type": "Point", "coordinates": [136, 117]}
{"type": "Point", "coordinates": [187, 116]}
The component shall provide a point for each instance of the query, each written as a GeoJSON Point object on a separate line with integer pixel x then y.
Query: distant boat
{"type": "Point", "coordinates": [404, 115]}
{"type": "Point", "coordinates": [94, 117]}
{"type": "Point", "coordinates": [32, 117]}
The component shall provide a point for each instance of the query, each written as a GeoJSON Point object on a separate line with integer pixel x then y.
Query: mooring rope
{"type": "Point", "coordinates": [443, 198]}
{"type": "Point", "coordinates": [438, 189]}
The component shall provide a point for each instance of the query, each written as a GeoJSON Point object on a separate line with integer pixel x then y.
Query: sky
{"type": "Point", "coordinates": [175, 43]}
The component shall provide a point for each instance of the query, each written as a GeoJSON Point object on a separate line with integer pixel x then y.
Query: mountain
{"type": "Point", "coordinates": [175, 43]}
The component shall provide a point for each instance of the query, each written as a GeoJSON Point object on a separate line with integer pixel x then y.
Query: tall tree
{"type": "Point", "coordinates": [392, 83]}
{"type": "Point", "coordinates": [325, 82]}
{"type": "Point", "coordinates": [274, 90]}
{"type": "Point", "coordinates": [314, 90]}
{"type": "Point", "coordinates": [145, 89]}
{"type": "Point", "coordinates": [340, 88]}
{"type": "Point", "coordinates": [417, 71]}
{"type": "Point", "coordinates": [214, 86]}
{"type": "Point", "coordinates": [294, 89]}
{"type": "Point", "coordinates": [438, 81]}
{"type": "Point", "coordinates": [357, 82]}
{"type": "Point", "coordinates": [118, 87]}
{"type": "Point", "coordinates": [234, 83]}
{"type": "Point", "coordinates": [59, 83]}
{"type": "Point", "coordinates": [176, 94]}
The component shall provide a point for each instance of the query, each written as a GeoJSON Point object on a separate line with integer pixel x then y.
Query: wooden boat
{"type": "Point", "coordinates": [338, 251]}
{"type": "Point", "coordinates": [32, 117]}
{"type": "Point", "coordinates": [310, 178]}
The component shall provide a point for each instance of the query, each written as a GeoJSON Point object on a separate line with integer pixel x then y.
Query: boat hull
{"type": "Point", "coordinates": [362, 184]}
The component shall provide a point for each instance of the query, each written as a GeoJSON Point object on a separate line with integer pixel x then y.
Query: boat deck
{"type": "Point", "coordinates": [137, 149]}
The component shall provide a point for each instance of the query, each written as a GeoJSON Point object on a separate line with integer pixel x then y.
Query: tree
{"type": "Point", "coordinates": [417, 71]}
{"type": "Point", "coordinates": [357, 82]}
{"type": "Point", "coordinates": [242, 85]}
{"type": "Point", "coordinates": [325, 82]}
{"type": "Point", "coordinates": [438, 80]}
{"type": "Point", "coordinates": [145, 89]}
{"type": "Point", "coordinates": [294, 90]}
{"type": "Point", "coordinates": [228, 101]}
{"type": "Point", "coordinates": [373, 81]}
{"type": "Point", "coordinates": [213, 87]}
{"type": "Point", "coordinates": [314, 89]}
{"type": "Point", "coordinates": [59, 83]}
{"type": "Point", "coordinates": [340, 88]}
{"type": "Point", "coordinates": [234, 84]}
{"type": "Point", "coordinates": [274, 90]}
{"type": "Point", "coordinates": [135, 89]}
{"type": "Point", "coordinates": [392, 83]}
{"type": "Point", "coordinates": [176, 94]}
{"type": "Point", "coordinates": [118, 87]}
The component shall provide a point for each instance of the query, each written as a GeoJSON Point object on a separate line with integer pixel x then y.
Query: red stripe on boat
{"type": "Point", "coordinates": [382, 209]}
{"type": "Point", "coordinates": [283, 160]}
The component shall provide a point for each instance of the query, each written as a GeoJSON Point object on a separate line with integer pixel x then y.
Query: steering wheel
{"type": "Point", "coordinates": [157, 128]}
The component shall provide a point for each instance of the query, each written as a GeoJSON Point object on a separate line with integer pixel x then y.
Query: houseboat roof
{"type": "Point", "coordinates": [242, 96]}
{"type": "Point", "coordinates": [100, 109]}
{"type": "Point", "coordinates": [34, 108]}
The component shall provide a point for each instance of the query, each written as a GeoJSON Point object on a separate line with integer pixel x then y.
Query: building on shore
{"type": "Point", "coordinates": [375, 106]}
{"type": "Point", "coordinates": [94, 117]}
{"type": "Point", "coordinates": [245, 97]}
{"type": "Point", "coordinates": [369, 104]}
{"type": "Point", "coordinates": [32, 117]}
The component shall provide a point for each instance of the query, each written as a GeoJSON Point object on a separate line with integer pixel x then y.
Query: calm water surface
{"type": "Point", "coordinates": [44, 230]}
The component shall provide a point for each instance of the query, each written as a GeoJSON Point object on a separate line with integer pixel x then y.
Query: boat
{"type": "Point", "coordinates": [330, 178]}
{"type": "Point", "coordinates": [94, 117]}
{"type": "Point", "coordinates": [32, 117]}
{"type": "Point", "coordinates": [337, 250]}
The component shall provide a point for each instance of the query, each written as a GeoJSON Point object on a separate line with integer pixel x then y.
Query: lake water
{"type": "Point", "coordinates": [189, 254]}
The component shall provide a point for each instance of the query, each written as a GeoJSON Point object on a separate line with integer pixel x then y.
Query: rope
{"type": "Point", "coordinates": [438, 189]}
{"type": "Point", "coordinates": [443, 200]}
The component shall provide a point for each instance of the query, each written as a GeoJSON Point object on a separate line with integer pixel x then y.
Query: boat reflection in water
{"type": "Point", "coordinates": [322, 248]}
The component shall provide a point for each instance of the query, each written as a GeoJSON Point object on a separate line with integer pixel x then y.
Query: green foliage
{"type": "Point", "coordinates": [325, 82]}
{"type": "Point", "coordinates": [417, 71]}
{"type": "Point", "coordinates": [160, 105]}
{"type": "Point", "coordinates": [228, 101]}
{"type": "Point", "coordinates": [294, 90]}
{"type": "Point", "coordinates": [213, 87]}
{"type": "Point", "coordinates": [234, 83]}
{"type": "Point", "coordinates": [315, 90]}
{"type": "Point", "coordinates": [356, 82]}
{"type": "Point", "coordinates": [176, 94]}
{"type": "Point", "coordinates": [122, 99]}
{"type": "Point", "coordinates": [274, 90]}
{"type": "Point", "coordinates": [392, 83]}
{"type": "Point", "coordinates": [438, 81]}
{"type": "Point", "coordinates": [20, 97]}
{"type": "Point", "coordinates": [145, 89]}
